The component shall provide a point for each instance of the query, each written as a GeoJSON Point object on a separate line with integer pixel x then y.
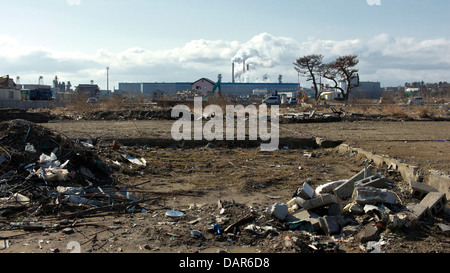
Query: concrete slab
{"type": "Point", "coordinates": [371, 195]}
{"type": "Point", "coordinates": [320, 201]}
{"type": "Point", "coordinates": [435, 201]}
{"type": "Point", "coordinates": [305, 191]}
{"type": "Point", "coordinates": [420, 190]}
{"type": "Point", "coordinates": [376, 181]}
{"type": "Point", "coordinates": [331, 224]}
{"type": "Point", "coordinates": [345, 190]}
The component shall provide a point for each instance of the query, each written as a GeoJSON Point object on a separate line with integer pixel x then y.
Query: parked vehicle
{"type": "Point", "coordinates": [416, 100]}
{"type": "Point", "coordinates": [91, 100]}
{"type": "Point", "coordinates": [292, 100]}
{"type": "Point", "coordinates": [271, 100]}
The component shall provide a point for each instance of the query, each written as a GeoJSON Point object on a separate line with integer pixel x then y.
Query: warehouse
{"type": "Point", "coordinates": [227, 88]}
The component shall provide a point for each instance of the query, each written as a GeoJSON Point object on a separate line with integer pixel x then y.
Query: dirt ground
{"type": "Point", "coordinates": [421, 143]}
{"type": "Point", "coordinates": [215, 185]}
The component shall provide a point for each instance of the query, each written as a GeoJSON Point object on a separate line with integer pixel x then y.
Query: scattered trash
{"type": "Point", "coordinates": [300, 225]}
{"type": "Point", "coordinates": [262, 231]}
{"type": "Point", "coordinates": [141, 162]}
{"type": "Point", "coordinates": [196, 233]}
{"type": "Point", "coordinates": [174, 214]}
{"type": "Point", "coordinates": [217, 229]}
{"type": "Point", "coordinates": [30, 148]}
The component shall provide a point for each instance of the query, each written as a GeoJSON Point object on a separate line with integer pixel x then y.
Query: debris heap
{"type": "Point", "coordinates": [43, 173]}
{"type": "Point", "coordinates": [360, 208]}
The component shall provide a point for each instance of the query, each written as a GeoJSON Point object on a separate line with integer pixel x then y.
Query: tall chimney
{"type": "Point", "coordinates": [243, 64]}
{"type": "Point", "coordinates": [232, 72]}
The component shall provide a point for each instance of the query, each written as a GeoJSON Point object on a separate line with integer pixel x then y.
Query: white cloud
{"type": "Point", "coordinates": [390, 60]}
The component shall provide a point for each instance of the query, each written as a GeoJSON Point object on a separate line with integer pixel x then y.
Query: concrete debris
{"type": "Point", "coordinates": [373, 206]}
{"type": "Point", "coordinates": [279, 210]}
{"type": "Point", "coordinates": [329, 187]}
{"type": "Point", "coordinates": [305, 191]}
{"type": "Point", "coordinates": [435, 201]}
{"type": "Point", "coordinates": [420, 190]}
{"type": "Point", "coordinates": [444, 227]}
{"type": "Point", "coordinates": [345, 190]}
{"type": "Point", "coordinates": [260, 230]}
{"type": "Point", "coordinates": [371, 195]}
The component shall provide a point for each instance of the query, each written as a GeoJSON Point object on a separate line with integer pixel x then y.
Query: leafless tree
{"type": "Point", "coordinates": [345, 68]}
{"type": "Point", "coordinates": [308, 66]}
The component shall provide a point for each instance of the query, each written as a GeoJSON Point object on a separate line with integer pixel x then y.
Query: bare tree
{"type": "Point", "coordinates": [329, 71]}
{"type": "Point", "coordinates": [345, 68]}
{"type": "Point", "coordinates": [308, 66]}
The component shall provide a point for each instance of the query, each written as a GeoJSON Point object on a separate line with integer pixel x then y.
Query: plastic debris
{"type": "Point", "coordinates": [174, 214]}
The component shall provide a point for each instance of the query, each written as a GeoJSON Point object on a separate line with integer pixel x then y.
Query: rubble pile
{"type": "Point", "coordinates": [360, 209]}
{"type": "Point", "coordinates": [133, 114]}
{"type": "Point", "coordinates": [42, 173]}
{"type": "Point", "coordinates": [364, 213]}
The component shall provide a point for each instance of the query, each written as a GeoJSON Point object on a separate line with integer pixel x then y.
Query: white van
{"type": "Point", "coordinates": [416, 100]}
{"type": "Point", "coordinates": [271, 100]}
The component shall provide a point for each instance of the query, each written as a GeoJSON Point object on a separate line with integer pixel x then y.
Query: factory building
{"type": "Point", "coordinates": [227, 88]}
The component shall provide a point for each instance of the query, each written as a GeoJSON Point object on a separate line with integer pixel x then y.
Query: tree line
{"type": "Point", "coordinates": [342, 68]}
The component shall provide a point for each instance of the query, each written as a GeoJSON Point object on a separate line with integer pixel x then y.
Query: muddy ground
{"type": "Point", "coordinates": [218, 184]}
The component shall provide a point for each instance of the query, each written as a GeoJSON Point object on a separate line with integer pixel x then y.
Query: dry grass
{"type": "Point", "coordinates": [395, 111]}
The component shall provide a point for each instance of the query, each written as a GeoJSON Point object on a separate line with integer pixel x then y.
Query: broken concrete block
{"type": "Point", "coordinates": [320, 201]}
{"type": "Point", "coordinates": [345, 190]}
{"type": "Point", "coordinates": [329, 187]}
{"type": "Point", "coordinates": [370, 233]}
{"type": "Point", "coordinates": [444, 227]}
{"type": "Point", "coordinates": [296, 201]}
{"type": "Point", "coordinates": [371, 195]}
{"type": "Point", "coordinates": [420, 211]}
{"type": "Point", "coordinates": [376, 181]}
{"type": "Point", "coordinates": [331, 224]}
{"type": "Point", "coordinates": [440, 180]}
{"type": "Point", "coordinates": [305, 192]}
{"type": "Point", "coordinates": [420, 190]}
{"type": "Point", "coordinates": [435, 201]}
{"type": "Point", "coordinates": [279, 210]}
{"type": "Point", "coordinates": [334, 209]}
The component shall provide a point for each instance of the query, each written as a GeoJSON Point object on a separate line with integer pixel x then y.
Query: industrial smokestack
{"type": "Point", "coordinates": [232, 72]}
{"type": "Point", "coordinates": [243, 64]}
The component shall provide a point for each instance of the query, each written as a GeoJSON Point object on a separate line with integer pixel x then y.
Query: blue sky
{"type": "Point", "coordinates": [397, 41]}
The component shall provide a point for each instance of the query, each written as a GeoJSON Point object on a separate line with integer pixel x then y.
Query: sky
{"type": "Point", "coordinates": [396, 41]}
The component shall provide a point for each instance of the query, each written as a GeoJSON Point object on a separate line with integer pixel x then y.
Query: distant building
{"type": "Point", "coordinates": [203, 86]}
{"type": "Point", "coordinates": [226, 88]}
{"type": "Point", "coordinates": [411, 90]}
{"type": "Point", "coordinates": [8, 89]}
{"type": "Point", "coordinates": [365, 90]}
{"type": "Point", "coordinates": [9, 94]}
{"type": "Point", "coordinates": [92, 90]}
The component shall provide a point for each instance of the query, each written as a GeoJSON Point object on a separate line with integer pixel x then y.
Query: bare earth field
{"type": "Point", "coordinates": [232, 187]}
{"type": "Point", "coordinates": [422, 143]}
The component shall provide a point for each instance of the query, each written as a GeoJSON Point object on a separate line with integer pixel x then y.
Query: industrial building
{"type": "Point", "coordinates": [226, 88]}
{"type": "Point", "coordinates": [367, 90]}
